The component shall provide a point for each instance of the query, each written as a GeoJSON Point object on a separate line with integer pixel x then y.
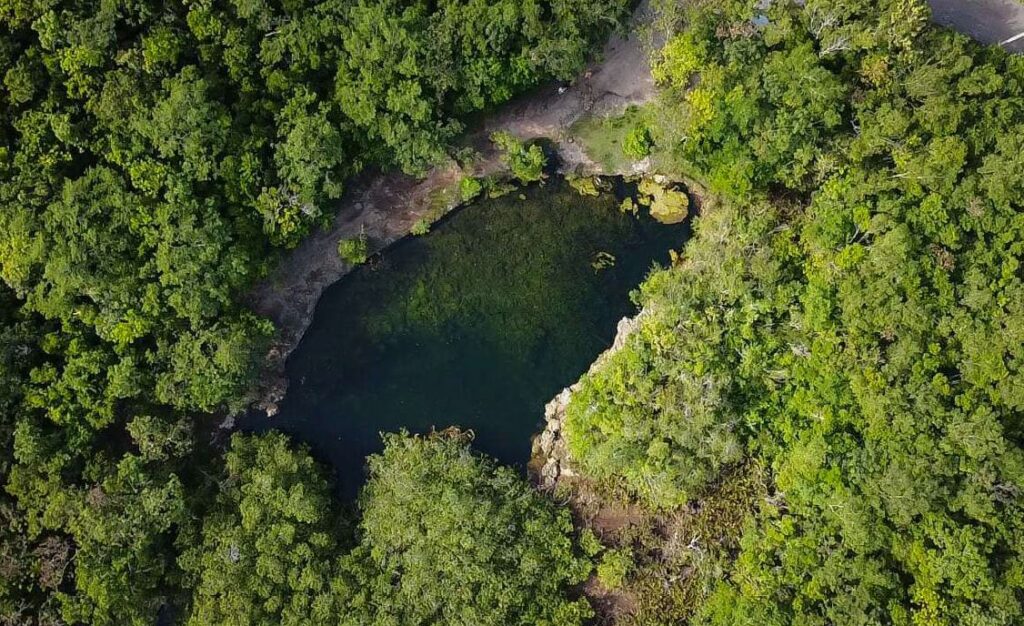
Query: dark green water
{"type": "Point", "coordinates": [477, 324]}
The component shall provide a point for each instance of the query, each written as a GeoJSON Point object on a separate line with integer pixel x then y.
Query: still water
{"type": "Point", "coordinates": [477, 324]}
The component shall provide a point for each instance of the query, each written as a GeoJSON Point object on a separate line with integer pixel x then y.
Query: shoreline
{"type": "Point", "coordinates": [385, 205]}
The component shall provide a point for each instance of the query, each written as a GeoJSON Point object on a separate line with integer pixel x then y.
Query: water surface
{"type": "Point", "coordinates": [477, 325]}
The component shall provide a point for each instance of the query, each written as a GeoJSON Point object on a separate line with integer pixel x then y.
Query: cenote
{"type": "Point", "coordinates": [477, 324]}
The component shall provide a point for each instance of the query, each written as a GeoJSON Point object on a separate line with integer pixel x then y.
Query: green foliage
{"type": "Point", "coordinates": [525, 162]}
{"type": "Point", "coordinates": [265, 556]}
{"type": "Point", "coordinates": [354, 251]}
{"type": "Point", "coordinates": [445, 536]}
{"type": "Point", "coordinates": [420, 227]}
{"type": "Point", "coordinates": [668, 204]}
{"type": "Point", "coordinates": [152, 157]}
{"type": "Point", "coordinates": [589, 543]}
{"type": "Point", "coordinates": [30, 567]}
{"type": "Point", "coordinates": [613, 568]}
{"type": "Point", "coordinates": [470, 188]}
{"type": "Point", "coordinates": [861, 338]}
{"type": "Point", "coordinates": [123, 529]}
{"type": "Point", "coordinates": [680, 58]}
{"type": "Point", "coordinates": [411, 69]}
{"type": "Point", "coordinates": [159, 439]}
{"type": "Point", "coordinates": [701, 546]}
{"type": "Point", "coordinates": [637, 143]}
{"type": "Point", "coordinates": [662, 413]}
{"type": "Point", "coordinates": [449, 537]}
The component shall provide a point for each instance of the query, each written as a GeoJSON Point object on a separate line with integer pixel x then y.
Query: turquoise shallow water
{"type": "Point", "coordinates": [477, 325]}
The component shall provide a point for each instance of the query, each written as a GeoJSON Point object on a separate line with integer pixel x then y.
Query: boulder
{"type": "Point", "coordinates": [671, 207]}
{"type": "Point", "coordinates": [668, 205]}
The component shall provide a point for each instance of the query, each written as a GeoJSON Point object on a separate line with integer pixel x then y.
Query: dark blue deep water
{"type": "Point", "coordinates": [477, 324]}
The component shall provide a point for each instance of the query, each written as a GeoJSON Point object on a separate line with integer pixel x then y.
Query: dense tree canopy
{"type": "Point", "coordinates": [444, 537]}
{"type": "Point", "coordinates": [267, 545]}
{"type": "Point", "coordinates": [863, 336]}
{"type": "Point", "coordinates": [448, 537]}
{"type": "Point", "coordinates": [153, 155]}
{"type": "Point", "coordinates": [850, 314]}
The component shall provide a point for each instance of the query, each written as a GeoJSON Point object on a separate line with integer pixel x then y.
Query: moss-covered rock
{"type": "Point", "coordinates": [668, 205]}
{"type": "Point", "coordinates": [588, 185]}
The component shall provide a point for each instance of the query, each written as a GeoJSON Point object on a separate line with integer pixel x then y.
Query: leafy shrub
{"type": "Point", "coordinates": [526, 162]}
{"type": "Point", "coordinates": [420, 227]}
{"type": "Point", "coordinates": [470, 188]}
{"type": "Point", "coordinates": [589, 543]}
{"type": "Point", "coordinates": [637, 143]}
{"type": "Point", "coordinates": [354, 251]}
{"type": "Point", "coordinates": [615, 565]}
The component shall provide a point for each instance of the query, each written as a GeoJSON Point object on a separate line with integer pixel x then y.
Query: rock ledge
{"type": "Point", "coordinates": [550, 462]}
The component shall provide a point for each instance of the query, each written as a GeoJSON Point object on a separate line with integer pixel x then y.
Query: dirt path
{"type": "Point", "coordinates": [385, 206]}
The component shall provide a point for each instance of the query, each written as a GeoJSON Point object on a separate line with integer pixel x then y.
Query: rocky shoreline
{"type": "Point", "coordinates": [383, 207]}
{"type": "Point", "coordinates": [550, 463]}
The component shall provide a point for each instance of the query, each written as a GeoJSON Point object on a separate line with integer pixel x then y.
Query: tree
{"type": "Point", "coordinates": [153, 156]}
{"type": "Point", "coordinates": [864, 342]}
{"type": "Point", "coordinates": [449, 537]}
{"type": "Point", "coordinates": [123, 528]}
{"type": "Point", "coordinates": [265, 556]}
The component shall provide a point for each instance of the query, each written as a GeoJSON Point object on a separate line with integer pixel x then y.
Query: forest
{"type": "Point", "coordinates": [155, 159]}
{"type": "Point", "coordinates": [847, 322]}
{"type": "Point", "coordinates": [849, 317]}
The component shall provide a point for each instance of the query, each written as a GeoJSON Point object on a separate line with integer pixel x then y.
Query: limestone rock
{"type": "Point", "coordinates": [547, 441]}
{"type": "Point", "coordinates": [550, 459]}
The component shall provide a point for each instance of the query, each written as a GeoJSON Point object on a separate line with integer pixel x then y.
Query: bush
{"type": "Point", "coordinates": [420, 227]}
{"type": "Point", "coordinates": [637, 143]}
{"type": "Point", "coordinates": [614, 567]}
{"type": "Point", "coordinates": [526, 162]}
{"type": "Point", "coordinates": [589, 543]}
{"type": "Point", "coordinates": [356, 250]}
{"type": "Point", "coordinates": [470, 188]}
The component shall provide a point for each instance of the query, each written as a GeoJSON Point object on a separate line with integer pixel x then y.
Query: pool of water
{"type": "Point", "coordinates": [477, 325]}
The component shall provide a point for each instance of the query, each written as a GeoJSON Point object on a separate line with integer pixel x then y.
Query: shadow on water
{"type": "Point", "coordinates": [477, 324]}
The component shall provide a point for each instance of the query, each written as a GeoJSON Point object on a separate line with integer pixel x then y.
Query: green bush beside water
{"type": "Point", "coordinates": [847, 313]}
